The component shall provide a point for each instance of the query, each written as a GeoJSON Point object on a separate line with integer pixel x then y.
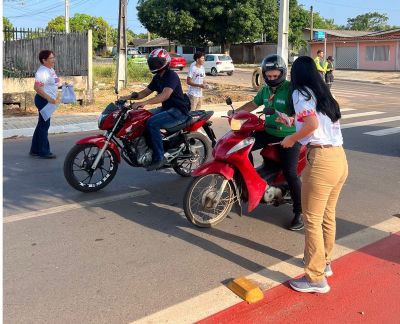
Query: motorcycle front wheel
{"type": "Point", "coordinates": [78, 168]}
{"type": "Point", "coordinates": [208, 200]}
{"type": "Point", "coordinates": [200, 151]}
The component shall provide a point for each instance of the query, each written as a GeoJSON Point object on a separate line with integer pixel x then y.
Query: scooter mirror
{"type": "Point", "coordinates": [269, 111]}
{"type": "Point", "coordinates": [228, 101]}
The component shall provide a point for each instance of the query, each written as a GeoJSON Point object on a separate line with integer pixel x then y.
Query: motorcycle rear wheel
{"type": "Point", "coordinates": [199, 205]}
{"type": "Point", "coordinates": [78, 172]}
{"type": "Point", "coordinates": [200, 149]}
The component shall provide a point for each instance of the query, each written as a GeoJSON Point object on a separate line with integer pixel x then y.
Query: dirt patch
{"type": "Point", "coordinates": [104, 94]}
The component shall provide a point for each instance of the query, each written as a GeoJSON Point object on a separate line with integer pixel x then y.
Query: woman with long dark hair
{"type": "Point", "coordinates": [317, 126]}
{"type": "Point", "coordinates": [46, 85]}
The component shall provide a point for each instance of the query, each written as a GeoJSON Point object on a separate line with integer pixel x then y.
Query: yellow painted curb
{"type": "Point", "coordinates": [246, 290]}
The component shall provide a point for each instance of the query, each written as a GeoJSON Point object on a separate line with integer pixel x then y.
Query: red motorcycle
{"type": "Point", "coordinates": [231, 177]}
{"type": "Point", "coordinates": [93, 162]}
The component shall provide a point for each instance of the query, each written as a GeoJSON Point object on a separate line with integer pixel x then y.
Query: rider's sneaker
{"type": "Point", "coordinates": [156, 165]}
{"type": "Point", "coordinates": [303, 285]}
{"type": "Point", "coordinates": [297, 223]}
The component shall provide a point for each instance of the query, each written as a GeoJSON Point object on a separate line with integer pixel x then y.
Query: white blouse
{"type": "Point", "coordinates": [327, 133]}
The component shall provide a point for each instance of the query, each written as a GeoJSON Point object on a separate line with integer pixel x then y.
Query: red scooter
{"type": "Point", "coordinates": [93, 162]}
{"type": "Point", "coordinates": [231, 177]}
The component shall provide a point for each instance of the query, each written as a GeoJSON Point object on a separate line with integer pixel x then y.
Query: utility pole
{"type": "Point", "coordinates": [121, 75]}
{"type": "Point", "coordinates": [283, 30]}
{"type": "Point", "coordinates": [67, 16]}
{"type": "Point", "coordinates": [312, 24]}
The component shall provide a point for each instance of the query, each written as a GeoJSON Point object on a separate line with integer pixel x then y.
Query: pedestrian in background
{"type": "Point", "coordinates": [329, 68]}
{"type": "Point", "coordinates": [319, 63]}
{"type": "Point", "coordinates": [195, 81]}
{"type": "Point", "coordinates": [317, 126]}
{"type": "Point", "coordinates": [46, 86]}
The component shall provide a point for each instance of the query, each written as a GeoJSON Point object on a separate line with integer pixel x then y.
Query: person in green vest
{"type": "Point", "coordinates": [319, 62]}
{"type": "Point", "coordinates": [329, 68]}
{"type": "Point", "coordinates": [276, 94]}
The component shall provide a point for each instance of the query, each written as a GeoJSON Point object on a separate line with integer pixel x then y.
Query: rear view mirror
{"type": "Point", "coordinates": [228, 101]}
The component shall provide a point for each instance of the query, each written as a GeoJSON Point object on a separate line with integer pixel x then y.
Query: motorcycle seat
{"type": "Point", "coordinates": [194, 116]}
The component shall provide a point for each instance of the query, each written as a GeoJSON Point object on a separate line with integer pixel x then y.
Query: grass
{"type": "Point", "coordinates": [136, 72]}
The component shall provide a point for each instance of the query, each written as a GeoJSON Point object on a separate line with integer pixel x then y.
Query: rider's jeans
{"type": "Point", "coordinates": [323, 178]}
{"type": "Point", "coordinates": [162, 119]}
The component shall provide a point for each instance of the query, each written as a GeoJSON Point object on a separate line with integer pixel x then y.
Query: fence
{"type": "Point", "coordinates": [251, 53]}
{"type": "Point", "coordinates": [21, 49]}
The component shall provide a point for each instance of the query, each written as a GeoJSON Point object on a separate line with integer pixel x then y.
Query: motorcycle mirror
{"type": "Point", "coordinates": [228, 101]}
{"type": "Point", "coordinates": [269, 111]}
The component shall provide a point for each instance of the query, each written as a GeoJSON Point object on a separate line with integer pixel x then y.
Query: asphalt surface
{"type": "Point", "coordinates": [124, 259]}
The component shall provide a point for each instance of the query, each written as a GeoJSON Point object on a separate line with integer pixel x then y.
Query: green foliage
{"type": "Point", "coordinates": [102, 32]}
{"type": "Point", "coordinates": [371, 21]}
{"type": "Point", "coordinates": [7, 25]}
{"type": "Point", "coordinates": [136, 72]}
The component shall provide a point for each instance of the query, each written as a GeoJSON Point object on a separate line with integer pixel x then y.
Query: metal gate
{"type": "Point", "coordinates": [346, 57]}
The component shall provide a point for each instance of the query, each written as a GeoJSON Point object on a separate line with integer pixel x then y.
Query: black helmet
{"type": "Point", "coordinates": [274, 62]}
{"type": "Point", "coordinates": [159, 59]}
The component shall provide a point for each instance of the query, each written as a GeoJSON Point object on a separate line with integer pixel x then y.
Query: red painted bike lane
{"type": "Point", "coordinates": [365, 288]}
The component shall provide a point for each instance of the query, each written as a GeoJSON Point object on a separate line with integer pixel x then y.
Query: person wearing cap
{"type": "Point", "coordinates": [329, 68]}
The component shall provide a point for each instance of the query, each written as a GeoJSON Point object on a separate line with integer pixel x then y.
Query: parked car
{"type": "Point", "coordinates": [177, 61]}
{"type": "Point", "coordinates": [135, 55]}
{"type": "Point", "coordinates": [216, 63]}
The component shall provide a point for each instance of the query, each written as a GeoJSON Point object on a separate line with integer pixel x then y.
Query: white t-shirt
{"type": "Point", "coordinates": [48, 79]}
{"type": "Point", "coordinates": [197, 74]}
{"type": "Point", "coordinates": [327, 133]}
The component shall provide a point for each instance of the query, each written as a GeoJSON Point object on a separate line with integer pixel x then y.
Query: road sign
{"type": "Point", "coordinates": [319, 35]}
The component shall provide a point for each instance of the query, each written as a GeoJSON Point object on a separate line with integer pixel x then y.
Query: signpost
{"type": "Point", "coordinates": [320, 35]}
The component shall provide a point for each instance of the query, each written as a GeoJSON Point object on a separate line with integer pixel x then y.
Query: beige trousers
{"type": "Point", "coordinates": [195, 102]}
{"type": "Point", "coordinates": [322, 180]}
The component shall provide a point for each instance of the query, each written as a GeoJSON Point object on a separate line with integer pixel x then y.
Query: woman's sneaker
{"type": "Point", "coordinates": [303, 285]}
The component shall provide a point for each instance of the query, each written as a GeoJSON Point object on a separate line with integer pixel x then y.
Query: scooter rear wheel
{"type": "Point", "coordinates": [201, 204]}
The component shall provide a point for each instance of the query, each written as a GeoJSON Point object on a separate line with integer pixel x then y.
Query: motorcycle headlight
{"type": "Point", "coordinates": [236, 124]}
{"type": "Point", "coordinates": [242, 144]}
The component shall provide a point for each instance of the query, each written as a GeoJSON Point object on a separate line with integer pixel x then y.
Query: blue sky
{"type": "Point", "coordinates": [36, 13]}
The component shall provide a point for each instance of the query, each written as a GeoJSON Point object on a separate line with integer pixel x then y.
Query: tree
{"type": "Point", "coordinates": [165, 18]}
{"type": "Point", "coordinates": [7, 25]}
{"type": "Point", "coordinates": [198, 22]}
{"type": "Point", "coordinates": [371, 21]}
{"type": "Point", "coordinates": [102, 32]}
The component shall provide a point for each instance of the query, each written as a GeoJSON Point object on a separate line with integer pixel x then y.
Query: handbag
{"type": "Point", "coordinates": [68, 94]}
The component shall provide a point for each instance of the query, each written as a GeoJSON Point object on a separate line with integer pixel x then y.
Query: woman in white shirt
{"type": "Point", "coordinates": [317, 126]}
{"type": "Point", "coordinates": [46, 85]}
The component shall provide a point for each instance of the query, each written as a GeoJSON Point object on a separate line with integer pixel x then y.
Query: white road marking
{"type": "Point", "coordinates": [370, 122]}
{"type": "Point", "coordinates": [367, 113]}
{"type": "Point", "coordinates": [383, 132]}
{"type": "Point", "coordinates": [68, 207]}
{"type": "Point", "coordinates": [346, 109]}
{"type": "Point", "coordinates": [221, 297]}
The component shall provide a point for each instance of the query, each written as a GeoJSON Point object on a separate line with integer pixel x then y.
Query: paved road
{"type": "Point", "coordinates": [127, 253]}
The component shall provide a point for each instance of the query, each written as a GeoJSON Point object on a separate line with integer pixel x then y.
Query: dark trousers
{"type": "Point", "coordinates": [289, 158]}
{"type": "Point", "coordinates": [40, 140]}
{"type": "Point", "coordinates": [162, 119]}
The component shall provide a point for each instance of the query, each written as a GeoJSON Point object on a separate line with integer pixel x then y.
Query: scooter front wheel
{"type": "Point", "coordinates": [78, 168]}
{"type": "Point", "coordinates": [208, 200]}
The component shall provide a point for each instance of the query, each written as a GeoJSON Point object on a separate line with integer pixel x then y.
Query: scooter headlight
{"type": "Point", "coordinates": [236, 124]}
{"type": "Point", "coordinates": [242, 144]}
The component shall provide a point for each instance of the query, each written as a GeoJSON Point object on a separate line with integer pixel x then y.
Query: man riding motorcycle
{"type": "Point", "coordinates": [174, 109]}
{"type": "Point", "coordinates": [276, 94]}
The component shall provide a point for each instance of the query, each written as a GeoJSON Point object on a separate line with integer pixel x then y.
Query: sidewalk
{"type": "Point", "coordinates": [67, 123]}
